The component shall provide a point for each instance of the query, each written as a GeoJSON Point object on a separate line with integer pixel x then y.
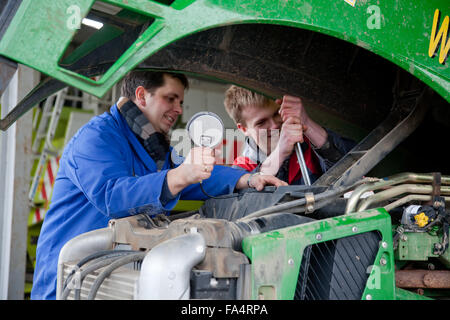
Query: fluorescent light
{"type": "Point", "coordinates": [92, 23]}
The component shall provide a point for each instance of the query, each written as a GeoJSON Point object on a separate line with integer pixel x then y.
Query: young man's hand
{"type": "Point", "coordinates": [291, 133]}
{"type": "Point", "coordinates": [292, 107]}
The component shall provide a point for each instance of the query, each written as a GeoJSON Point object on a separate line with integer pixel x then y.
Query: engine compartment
{"type": "Point", "coordinates": [228, 246]}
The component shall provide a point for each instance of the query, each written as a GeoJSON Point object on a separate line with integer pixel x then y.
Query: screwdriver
{"type": "Point", "coordinates": [302, 164]}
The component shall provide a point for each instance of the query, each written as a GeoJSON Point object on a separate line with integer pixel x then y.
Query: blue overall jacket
{"type": "Point", "coordinates": [105, 173]}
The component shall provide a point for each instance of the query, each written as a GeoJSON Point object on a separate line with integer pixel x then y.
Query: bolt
{"type": "Point", "coordinates": [383, 261]}
{"type": "Point", "coordinates": [384, 244]}
{"type": "Point", "coordinates": [291, 261]}
{"type": "Point", "coordinates": [213, 282]}
{"type": "Point", "coordinates": [368, 297]}
{"type": "Point", "coordinates": [354, 229]}
{"type": "Point", "coordinates": [318, 236]}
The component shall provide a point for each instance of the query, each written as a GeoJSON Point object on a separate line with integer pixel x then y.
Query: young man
{"type": "Point", "coordinates": [272, 128]}
{"type": "Point", "coordinates": [120, 164]}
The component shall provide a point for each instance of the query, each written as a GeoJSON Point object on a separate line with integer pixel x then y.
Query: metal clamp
{"type": "Point", "coordinates": [310, 201]}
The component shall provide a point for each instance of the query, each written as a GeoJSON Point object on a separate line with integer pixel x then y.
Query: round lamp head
{"type": "Point", "coordinates": [205, 129]}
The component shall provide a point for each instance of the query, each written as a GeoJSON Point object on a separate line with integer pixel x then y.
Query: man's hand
{"type": "Point", "coordinates": [292, 107]}
{"type": "Point", "coordinates": [291, 133]}
{"type": "Point", "coordinates": [196, 167]}
{"type": "Point", "coordinates": [198, 164]}
{"type": "Point", "coordinates": [259, 181]}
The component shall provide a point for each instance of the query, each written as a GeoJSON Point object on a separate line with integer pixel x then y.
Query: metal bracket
{"type": "Point", "coordinates": [382, 140]}
{"type": "Point", "coordinates": [310, 201]}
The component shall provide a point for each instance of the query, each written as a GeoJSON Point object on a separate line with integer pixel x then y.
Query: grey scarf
{"type": "Point", "coordinates": [155, 143]}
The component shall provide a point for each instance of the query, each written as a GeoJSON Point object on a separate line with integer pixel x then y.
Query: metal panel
{"type": "Point", "coordinates": [398, 31]}
{"type": "Point", "coordinates": [15, 166]}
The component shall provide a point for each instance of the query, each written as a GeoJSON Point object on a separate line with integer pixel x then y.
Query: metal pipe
{"type": "Point", "coordinates": [409, 198]}
{"type": "Point", "coordinates": [398, 190]}
{"type": "Point", "coordinates": [388, 182]}
{"type": "Point", "coordinates": [284, 207]}
{"type": "Point", "coordinates": [436, 279]}
{"type": "Point", "coordinates": [80, 247]}
{"type": "Point", "coordinates": [165, 271]}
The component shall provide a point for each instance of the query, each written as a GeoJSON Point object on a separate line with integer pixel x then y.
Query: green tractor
{"type": "Point", "coordinates": [375, 226]}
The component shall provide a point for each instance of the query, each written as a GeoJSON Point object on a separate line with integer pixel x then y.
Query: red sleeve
{"type": "Point", "coordinates": [244, 163]}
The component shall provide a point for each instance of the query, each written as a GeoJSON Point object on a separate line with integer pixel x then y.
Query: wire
{"type": "Point", "coordinates": [108, 270]}
{"type": "Point", "coordinates": [104, 261]}
{"type": "Point", "coordinates": [295, 203]}
{"type": "Point", "coordinates": [206, 194]}
{"type": "Point", "coordinates": [91, 257]}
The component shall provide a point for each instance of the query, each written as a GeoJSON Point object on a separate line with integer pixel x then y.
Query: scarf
{"type": "Point", "coordinates": [155, 143]}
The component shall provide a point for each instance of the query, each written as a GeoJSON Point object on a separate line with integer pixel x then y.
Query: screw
{"type": "Point", "coordinates": [368, 297]}
{"type": "Point", "coordinates": [384, 244]}
{"type": "Point", "coordinates": [291, 261]}
{"type": "Point", "coordinates": [354, 229]}
{"type": "Point", "coordinates": [318, 236]}
{"type": "Point", "coordinates": [383, 261]}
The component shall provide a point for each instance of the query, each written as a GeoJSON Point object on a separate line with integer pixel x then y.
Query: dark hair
{"type": "Point", "coordinates": [150, 80]}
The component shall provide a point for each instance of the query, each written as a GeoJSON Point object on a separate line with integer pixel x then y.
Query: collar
{"type": "Point", "coordinates": [253, 152]}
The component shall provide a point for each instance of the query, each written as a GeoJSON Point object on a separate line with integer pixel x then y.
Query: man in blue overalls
{"type": "Point", "coordinates": [119, 164]}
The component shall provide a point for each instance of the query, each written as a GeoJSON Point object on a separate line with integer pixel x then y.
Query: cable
{"type": "Point", "coordinates": [206, 194]}
{"type": "Point", "coordinates": [104, 261]}
{"type": "Point", "coordinates": [116, 264]}
{"type": "Point", "coordinates": [90, 257]}
{"type": "Point", "coordinates": [295, 203]}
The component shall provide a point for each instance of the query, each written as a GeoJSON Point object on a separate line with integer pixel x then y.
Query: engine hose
{"type": "Point", "coordinates": [103, 261]}
{"type": "Point", "coordinates": [108, 270]}
{"type": "Point", "coordinates": [267, 223]}
{"type": "Point", "coordinates": [329, 194]}
{"type": "Point", "coordinates": [91, 257]}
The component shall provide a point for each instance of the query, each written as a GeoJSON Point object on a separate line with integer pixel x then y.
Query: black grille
{"type": "Point", "coordinates": [337, 269]}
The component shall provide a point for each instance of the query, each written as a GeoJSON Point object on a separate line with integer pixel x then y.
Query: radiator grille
{"type": "Point", "coordinates": [120, 285]}
{"type": "Point", "coordinates": [337, 269]}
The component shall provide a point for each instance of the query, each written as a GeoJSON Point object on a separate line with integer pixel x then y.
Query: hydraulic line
{"type": "Point", "coordinates": [326, 195]}
{"type": "Point", "coordinates": [398, 190]}
{"type": "Point", "coordinates": [91, 257]}
{"type": "Point", "coordinates": [409, 198]}
{"type": "Point", "coordinates": [388, 182]}
{"type": "Point", "coordinates": [103, 261]}
{"type": "Point", "coordinates": [108, 270]}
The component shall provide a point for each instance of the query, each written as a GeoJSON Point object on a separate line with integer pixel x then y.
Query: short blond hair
{"type": "Point", "coordinates": [236, 98]}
